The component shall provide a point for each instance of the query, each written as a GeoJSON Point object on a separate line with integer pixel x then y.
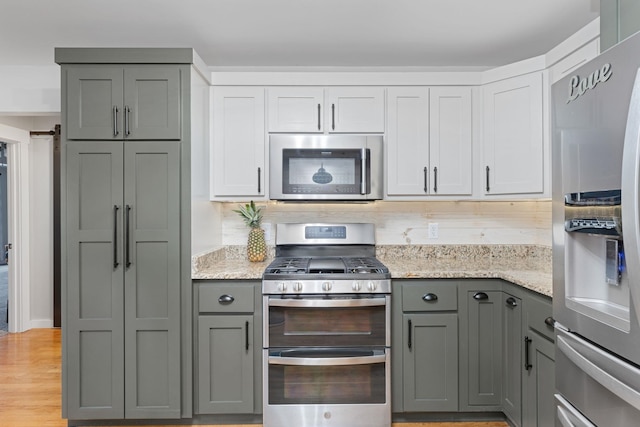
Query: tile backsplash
{"type": "Point", "coordinates": [407, 223]}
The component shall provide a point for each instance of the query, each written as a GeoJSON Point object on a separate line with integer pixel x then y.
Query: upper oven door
{"type": "Point", "coordinates": [325, 167]}
{"type": "Point", "coordinates": [323, 321]}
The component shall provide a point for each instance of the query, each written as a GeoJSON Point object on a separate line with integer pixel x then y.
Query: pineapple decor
{"type": "Point", "coordinates": [256, 246]}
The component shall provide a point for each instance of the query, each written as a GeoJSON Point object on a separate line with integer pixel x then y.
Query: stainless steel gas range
{"type": "Point", "coordinates": [326, 341]}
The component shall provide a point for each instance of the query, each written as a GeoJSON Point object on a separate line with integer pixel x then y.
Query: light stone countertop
{"type": "Point", "coordinates": [526, 265]}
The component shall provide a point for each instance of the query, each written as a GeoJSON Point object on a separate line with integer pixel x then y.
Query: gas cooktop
{"type": "Point", "coordinates": [326, 265]}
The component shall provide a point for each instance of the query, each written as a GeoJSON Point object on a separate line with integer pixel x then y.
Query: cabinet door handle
{"type": "Point", "coordinates": [480, 296]}
{"type": "Point", "coordinates": [550, 321]}
{"type": "Point", "coordinates": [115, 121]}
{"type": "Point", "coordinates": [429, 297]}
{"type": "Point", "coordinates": [511, 302]}
{"type": "Point", "coordinates": [527, 346]}
{"type": "Point", "coordinates": [488, 187]}
{"type": "Point", "coordinates": [226, 299]}
{"type": "Point", "coordinates": [115, 236]}
{"type": "Point", "coordinates": [333, 116]}
{"type": "Point", "coordinates": [435, 179]}
{"type": "Point", "coordinates": [246, 335]}
{"type": "Point", "coordinates": [259, 183]}
{"type": "Point", "coordinates": [409, 338]}
{"type": "Point", "coordinates": [127, 119]}
{"type": "Point", "coordinates": [425, 171]}
{"type": "Point", "coordinates": [127, 236]}
{"type": "Point", "coordinates": [319, 117]}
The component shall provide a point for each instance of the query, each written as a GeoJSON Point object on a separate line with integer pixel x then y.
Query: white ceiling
{"type": "Point", "coordinates": [289, 33]}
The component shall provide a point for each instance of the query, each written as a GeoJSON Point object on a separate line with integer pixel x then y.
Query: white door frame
{"type": "Point", "coordinates": [18, 219]}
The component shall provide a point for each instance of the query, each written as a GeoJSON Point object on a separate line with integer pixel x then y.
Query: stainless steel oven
{"type": "Point", "coordinates": [326, 329]}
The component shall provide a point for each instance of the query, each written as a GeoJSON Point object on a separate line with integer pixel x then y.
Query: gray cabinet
{"type": "Point", "coordinates": [428, 345]}
{"type": "Point", "coordinates": [481, 338]}
{"type": "Point", "coordinates": [228, 347]}
{"type": "Point", "coordinates": [512, 357]}
{"type": "Point", "coordinates": [114, 102]}
{"type": "Point", "coordinates": [125, 233]}
{"type": "Point", "coordinates": [539, 363]}
{"type": "Point", "coordinates": [123, 280]}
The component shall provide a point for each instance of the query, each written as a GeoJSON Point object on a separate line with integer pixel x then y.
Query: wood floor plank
{"type": "Point", "coordinates": [30, 387]}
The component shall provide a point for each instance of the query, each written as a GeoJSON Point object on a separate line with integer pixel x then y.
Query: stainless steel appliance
{"type": "Point", "coordinates": [596, 238]}
{"type": "Point", "coordinates": [325, 167]}
{"type": "Point", "coordinates": [326, 345]}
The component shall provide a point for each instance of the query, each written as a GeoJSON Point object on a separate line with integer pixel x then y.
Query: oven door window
{"type": "Point", "coordinates": [323, 171]}
{"type": "Point", "coordinates": [327, 376]}
{"type": "Point", "coordinates": [320, 324]}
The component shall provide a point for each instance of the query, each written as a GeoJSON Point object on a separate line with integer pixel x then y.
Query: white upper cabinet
{"type": "Point", "coordinates": [450, 140]}
{"type": "Point", "coordinates": [513, 143]}
{"type": "Point", "coordinates": [407, 141]}
{"type": "Point", "coordinates": [354, 109]}
{"type": "Point", "coordinates": [296, 109]}
{"type": "Point", "coordinates": [429, 141]}
{"type": "Point", "coordinates": [309, 109]}
{"type": "Point", "coordinates": [238, 148]}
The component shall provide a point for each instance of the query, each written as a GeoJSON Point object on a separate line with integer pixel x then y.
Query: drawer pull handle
{"type": "Point", "coordinates": [226, 299]}
{"type": "Point", "coordinates": [410, 325]}
{"type": "Point", "coordinates": [430, 297]}
{"type": "Point", "coordinates": [550, 321]}
{"type": "Point", "coordinates": [511, 301]}
{"type": "Point", "coordinates": [480, 296]}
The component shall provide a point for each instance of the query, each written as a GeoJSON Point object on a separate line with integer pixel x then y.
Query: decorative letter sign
{"type": "Point", "coordinates": [579, 86]}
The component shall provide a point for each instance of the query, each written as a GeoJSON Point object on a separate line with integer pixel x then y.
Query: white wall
{"type": "Point", "coordinates": [205, 216]}
{"type": "Point", "coordinates": [29, 90]}
{"type": "Point", "coordinates": [41, 231]}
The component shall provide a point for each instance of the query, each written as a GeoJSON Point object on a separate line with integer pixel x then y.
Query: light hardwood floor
{"type": "Point", "coordinates": [30, 383]}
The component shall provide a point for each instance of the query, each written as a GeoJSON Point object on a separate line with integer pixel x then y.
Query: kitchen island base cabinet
{"type": "Point", "coordinates": [228, 347]}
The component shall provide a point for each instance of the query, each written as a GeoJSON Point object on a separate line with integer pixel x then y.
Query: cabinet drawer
{"type": "Point", "coordinates": [537, 312]}
{"type": "Point", "coordinates": [236, 298]}
{"type": "Point", "coordinates": [425, 296]}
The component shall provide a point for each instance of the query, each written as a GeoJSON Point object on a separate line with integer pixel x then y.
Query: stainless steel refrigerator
{"type": "Point", "coordinates": [596, 239]}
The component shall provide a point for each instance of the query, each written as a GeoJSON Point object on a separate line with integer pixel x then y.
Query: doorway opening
{"type": "Point", "coordinates": [4, 242]}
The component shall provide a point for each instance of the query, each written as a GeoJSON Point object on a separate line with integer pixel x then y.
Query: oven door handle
{"type": "Point", "coordinates": [322, 303]}
{"type": "Point", "coordinates": [327, 361]}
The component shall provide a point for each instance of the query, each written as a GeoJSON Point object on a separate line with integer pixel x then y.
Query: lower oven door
{"type": "Point", "coordinates": [327, 321]}
{"type": "Point", "coordinates": [327, 387]}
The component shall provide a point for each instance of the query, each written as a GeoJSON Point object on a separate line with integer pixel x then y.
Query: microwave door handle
{"type": "Point", "coordinates": [363, 169]}
{"type": "Point", "coordinates": [630, 192]}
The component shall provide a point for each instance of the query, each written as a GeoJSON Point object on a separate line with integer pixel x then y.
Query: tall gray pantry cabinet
{"type": "Point", "coordinates": [125, 180]}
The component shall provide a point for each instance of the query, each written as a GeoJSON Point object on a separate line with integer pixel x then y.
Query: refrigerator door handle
{"type": "Point", "coordinates": [599, 365]}
{"type": "Point", "coordinates": [630, 190]}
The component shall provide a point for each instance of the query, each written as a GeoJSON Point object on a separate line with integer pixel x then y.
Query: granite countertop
{"type": "Point", "coordinates": [526, 265]}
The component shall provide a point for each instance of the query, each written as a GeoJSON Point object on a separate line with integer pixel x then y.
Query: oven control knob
{"type": "Point", "coordinates": [326, 286]}
{"type": "Point", "coordinates": [371, 286]}
{"type": "Point", "coordinates": [356, 286]}
{"type": "Point", "coordinates": [282, 286]}
{"type": "Point", "coordinates": [297, 286]}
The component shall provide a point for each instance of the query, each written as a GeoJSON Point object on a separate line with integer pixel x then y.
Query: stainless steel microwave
{"type": "Point", "coordinates": [325, 167]}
